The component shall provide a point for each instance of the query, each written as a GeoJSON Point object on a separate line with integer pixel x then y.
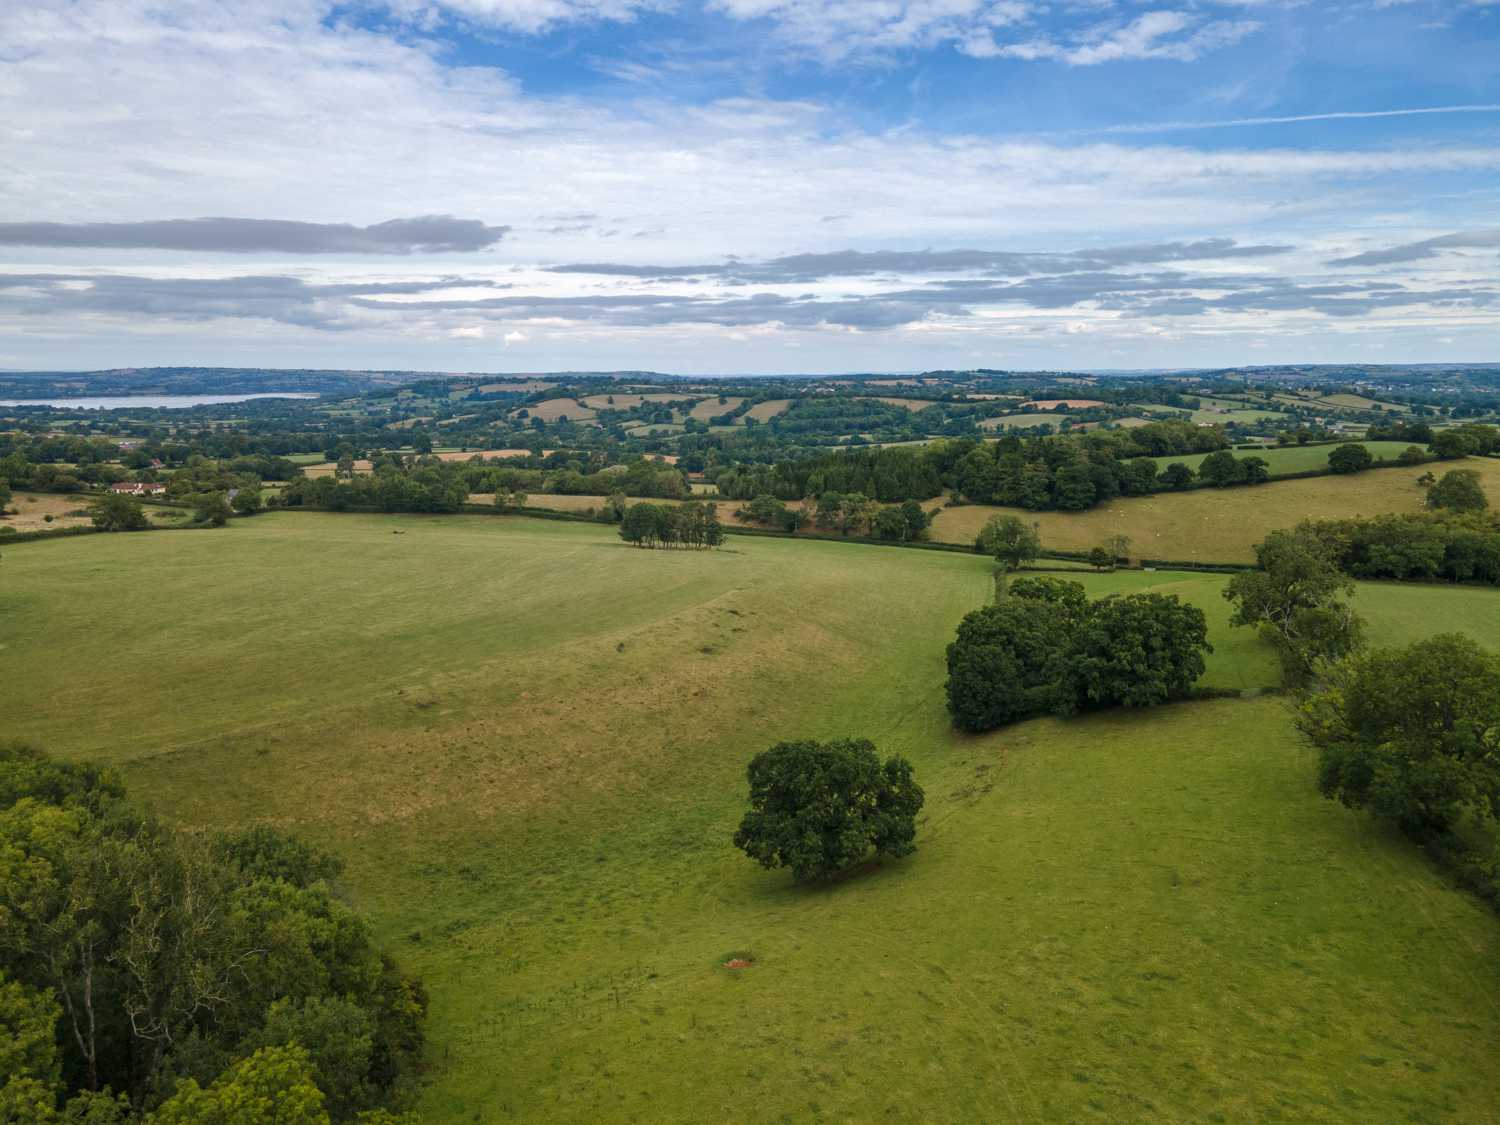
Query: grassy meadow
{"type": "Point", "coordinates": [528, 741]}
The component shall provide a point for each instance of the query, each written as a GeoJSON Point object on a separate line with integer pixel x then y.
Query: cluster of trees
{"type": "Point", "coordinates": [1044, 647]}
{"type": "Point", "coordinates": [694, 524]}
{"type": "Point", "coordinates": [849, 513]}
{"type": "Point", "coordinates": [1413, 735]}
{"type": "Point", "coordinates": [1070, 472]}
{"type": "Point", "coordinates": [429, 488]}
{"type": "Point", "coordinates": [821, 807]}
{"type": "Point", "coordinates": [888, 475]}
{"type": "Point", "coordinates": [1470, 439]}
{"type": "Point", "coordinates": [149, 974]}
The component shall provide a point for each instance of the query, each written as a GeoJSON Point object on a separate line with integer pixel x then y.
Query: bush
{"type": "Point", "coordinates": [821, 807]}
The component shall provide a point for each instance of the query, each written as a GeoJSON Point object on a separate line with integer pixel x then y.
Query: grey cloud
{"type": "Point", "coordinates": [332, 307]}
{"type": "Point", "coordinates": [1003, 263]}
{"type": "Point", "coordinates": [1428, 248]}
{"type": "Point", "coordinates": [426, 234]}
{"type": "Point", "coordinates": [288, 300]}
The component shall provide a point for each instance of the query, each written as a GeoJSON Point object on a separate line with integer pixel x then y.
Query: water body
{"type": "Point", "coordinates": [147, 402]}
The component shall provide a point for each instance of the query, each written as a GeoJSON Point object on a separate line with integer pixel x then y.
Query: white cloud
{"type": "Point", "coordinates": [1153, 35]}
{"type": "Point", "coordinates": [531, 16]}
{"type": "Point", "coordinates": [319, 122]}
{"type": "Point", "coordinates": [837, 28]}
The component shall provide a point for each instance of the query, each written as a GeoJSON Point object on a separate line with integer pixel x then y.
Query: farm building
{"type": "Point", "coordinates": [138, 488]}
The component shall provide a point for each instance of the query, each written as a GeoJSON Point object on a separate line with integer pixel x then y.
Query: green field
{"type": "Point", "coordinates": [528, 740]}
{"type": "Point", "coordinates": [1295, 458]}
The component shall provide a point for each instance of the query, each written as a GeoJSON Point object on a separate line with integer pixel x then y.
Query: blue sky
{"type": "Point", "coordinates": [748, 185]}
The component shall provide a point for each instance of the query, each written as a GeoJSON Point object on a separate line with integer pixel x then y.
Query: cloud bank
{"type": "Point", "coordinates": [427, 234]}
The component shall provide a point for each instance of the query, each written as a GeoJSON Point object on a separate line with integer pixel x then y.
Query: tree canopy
{"type": "Point", "coordinates": [1045, 648]}
{"type": "Point", "coordinates": [160, 958]}
{"type": "Point", "coordinates": [1458, 490]}
{"type": "Point", "coordinates": [1413, 734]}
{"type": "Point", "coordinates": [821, 807]}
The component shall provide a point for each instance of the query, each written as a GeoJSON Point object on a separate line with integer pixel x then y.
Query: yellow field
{"type": "Point", "coordinates": [554, 408]}
{"type": "Point", "coordinates": [1019, 421]}
{"type": "Point", "coordinates": [527, 387]}
{"type": "Point", "coordinates": [712, 407]}
{"type": "Point", "coordinates": [630, 401]}
{"type": "Point", "coordinates": [912, 404]}
{"type": "Point", "coordinates": [1219, 525]}
{"type": "Point", "coordinates": [765, 411]}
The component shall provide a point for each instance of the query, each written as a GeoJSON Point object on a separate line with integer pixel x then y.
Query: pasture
{"type": "Point", "coordinates": [765, 411]}
{"type": "Point", "coordinates": [528, 740]}
{"type": "Point", "coordinates": [1021, 421]}
{"type": "Point", "coordinates": [1221, 524]}
{"type": "Point", "coordinates": [1295, 458]}
{"type": "Point", "coordinates": [555, 409]}
{"type": "Point", "coordinates": [712, 407]}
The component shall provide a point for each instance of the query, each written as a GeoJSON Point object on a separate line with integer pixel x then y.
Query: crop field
{"type": "Point", "coordinates": [1221, 524]}
{"type": "Point", "coordinates": [1020, 421]}
{"type": "Point", "coordinates": [1297, 458]}
{"type": "Point", "coordinates": [554, 409]}
{"type": "Point", "coordinates": [765, 411]}
{"type": "Point", "coordinates": [528, 740]}
{"type": "Point", "coordinates": [712, 407]}
{"type": "Point", "coordinates": [630, 401]}
{"type": "Point", "coordinates": [915, 405]}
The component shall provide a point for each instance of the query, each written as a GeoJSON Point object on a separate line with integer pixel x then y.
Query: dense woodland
{"type": "Point", "coordinates": [153, 974]}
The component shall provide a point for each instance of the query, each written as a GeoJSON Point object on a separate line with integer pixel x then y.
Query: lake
{"type": "Point", "coordinates": [148, 402]}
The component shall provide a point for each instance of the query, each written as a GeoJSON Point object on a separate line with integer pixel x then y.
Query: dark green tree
{"type": "Point", "coordinates": [1411, 455]}
{"type": "Point", "coordinates": [1220, 469]}
{"type": "Point", "coordinates": [1411, 734]}
{"type": "Point", "coordinates": [1176, 476]}
{"type": "Point", "coordinates": [1458, 490]}
{"type": "Point", "coordinates": [1138, 650]}
{"type": "Point", "coordinates": [210, 509]}
{"type": "Point", "coordinates": [1011, 540]}
{"type": "Point", "coordinates": [821, 807]}
{"type": "Point", "coordinates": [116, 511]}
{"type": "Point", "coordinates": [1009, 659]}
{"type": "Point", "coordinates": [1351, 457]}
{"type": "Point", "coordinates": [1256, 470]}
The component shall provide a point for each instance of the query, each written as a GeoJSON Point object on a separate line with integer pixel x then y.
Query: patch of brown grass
{"type": "Point", "coordinates": [33, 508]}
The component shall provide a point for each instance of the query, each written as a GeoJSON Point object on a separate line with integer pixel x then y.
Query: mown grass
{"type": "Point", "coordinates": [529, 742]}
{"type": "Point", "coordinates": [1221, 524]}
